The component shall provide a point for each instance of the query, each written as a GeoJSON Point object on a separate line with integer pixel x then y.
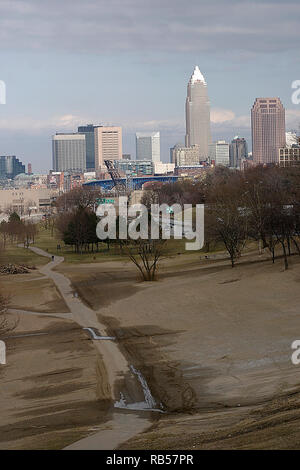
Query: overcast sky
{"type": "Point", "coordinates": [127, 62]}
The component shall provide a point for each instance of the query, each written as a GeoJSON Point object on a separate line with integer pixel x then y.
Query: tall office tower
{"type": "Point", "coordinates": [148, 146]}
{"type": "Point", "coordinates": [219, 153]}
{"type": "Point", "coordinates": [268, 129]}
{"type": "Point", "coordinates": [88, 131]}
{"type": "Point", "coordinates": [197, 111]}
{"type": "Point", "coordinates": [238, 151]}
{"type": "Point", "coordinates": [108, 145]}
{"type": "Point", "coordinates": [10, 166]}
{"type": "Point", "coordinates": [29, 169]}
{"type": "Point", "coordinates": [69, 152]}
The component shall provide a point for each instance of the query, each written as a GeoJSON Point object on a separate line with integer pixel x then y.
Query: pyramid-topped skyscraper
{"type": "Point", "coordinates": [198, 114]}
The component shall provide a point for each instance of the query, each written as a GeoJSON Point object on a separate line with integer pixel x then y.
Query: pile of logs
{"type": "Point", "coordinates": [15, 268]}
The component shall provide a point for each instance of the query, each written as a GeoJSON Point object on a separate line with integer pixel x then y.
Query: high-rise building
{"type": "Point", "coordinates": [198, 114]}
{"type": "Point", "coordinates": [268, 129]}
{"type": "Point", "coordinates": [69, 152]}
{"type": "Point", "coordinates": [219, 153]}
{"type": "Point", "coordinates": [289, 156]}
{"type": "Point", "coordinates": [108, 145]}
{"type": "Point", "coordinates": [185, 156]}
{"type": "Point", "coordinates": [29, 169]}
{"type": "Point", "coordinates": [10, 166]}
{"type": "Point", "coordinates": [88, 131]}
{"type": "Point", "coordinates": [148, 146]}
{"type": "Point", "coordinates": [238, 150]}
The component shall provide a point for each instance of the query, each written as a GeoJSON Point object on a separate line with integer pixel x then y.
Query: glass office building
{"type": "Point", "coordinates": [69, 152]}
{"type": "Point", "coordinates": [88, 131]}
{"type": "Point", "coordinates": [148, 146]}
{"type": "Point", "coordinates": [10, 166]}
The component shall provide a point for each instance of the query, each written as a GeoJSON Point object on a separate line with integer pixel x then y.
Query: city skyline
{"type": "Point", "coordinates": [60, 81]}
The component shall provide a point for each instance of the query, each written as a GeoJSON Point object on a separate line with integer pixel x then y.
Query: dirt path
{"type": "Point", "coordinates": [125, 424]}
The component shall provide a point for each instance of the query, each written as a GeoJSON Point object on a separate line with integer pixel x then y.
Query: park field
{"type": "Point", "coordinates": [214, 344]}
{"type": "Point", "coordinates": [49, 241]}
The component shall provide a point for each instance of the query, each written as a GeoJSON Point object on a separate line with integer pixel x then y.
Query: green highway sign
{"type": "Point", "coordinates": [105, 201]}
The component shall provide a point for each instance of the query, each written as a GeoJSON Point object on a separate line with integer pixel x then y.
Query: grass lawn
{"type": "Point", "coordinates": [49, 243]}
{"type": "Point", "coordinates": [16, 255]}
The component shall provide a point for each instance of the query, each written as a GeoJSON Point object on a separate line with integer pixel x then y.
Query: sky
{"type": "Point", "coordinates": [127, 62]}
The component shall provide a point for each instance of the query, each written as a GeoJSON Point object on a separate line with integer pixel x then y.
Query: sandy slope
{"type": "Point", "coordinates": [208, 339]}
{"type": "Point", "coordinates": [52, 387]}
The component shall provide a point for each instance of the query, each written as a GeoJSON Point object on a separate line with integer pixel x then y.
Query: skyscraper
{"type": "Point", "coordinates": [88, 131]}
{"type": "Point", "coordinates": [238, 151]}
{"type": "Point", "coordinates": [198, 114]}
{"type": "Point", "coordinates": [219, 153]}
{"type": "Point", "coordinates": [68, 152]}
{"type": "Point", "coordinates": [108, 145]}
{"type": "Point", "coordinates": [148, 146]}
{"type": "Point", "coordinates": [268, 129]}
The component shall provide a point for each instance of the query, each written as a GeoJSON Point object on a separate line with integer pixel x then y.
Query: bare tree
{"type": "Point", "coordinates": [28, 233]}
{"type": "Point", "coordinates": [145, 254]}
{"type": "Point", "coordinates": [85, 198]}
{"type": "Point", "coordinates": [229, 225]}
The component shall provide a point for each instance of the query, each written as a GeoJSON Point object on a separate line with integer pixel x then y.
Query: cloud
{"type": "Point", "coordinates": [222, 121]}
{"type": "Point", "coordinates": [66, 122]}
{"type": "Point", "coordinates": [221, 115]}
{"type": "Point", "coordinates": [215, 26]}
{"type": "Point", "coordinates": [292, 118]}
{"type": "Point", "coordinates": [70, 122]}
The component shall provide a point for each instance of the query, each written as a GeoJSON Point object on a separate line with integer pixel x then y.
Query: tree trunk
{"type": "Point", "coordinates": [286, 264]}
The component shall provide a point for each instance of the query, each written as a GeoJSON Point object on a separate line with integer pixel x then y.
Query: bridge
{"type": "Point", "coordinates": [136, 182]}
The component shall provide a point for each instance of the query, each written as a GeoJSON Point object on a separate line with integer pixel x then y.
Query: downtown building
{"type": "Point", "coordinates": [238, 151]}
{"type": "Point", "coordinates": [219, 153]}
{"type": "Point", "coordinates": [10, 166]}
{"type": "Point", "coordinates": [108, 145]}
{"type": "Point", "coordinates": [198, 115]}
{"type": "Point", "coordinates": [69, 152]}
{"type": "Point", "coordinates": [89, 133]}
{"type": "Point", "coordinates": [268, 130]}
{"type": "Point", "coordinates": [135, 167]}
{"type": "Point", "coordinates": [289, 156]}
{"type": "Point", "coordinates": [148, 146]}
{"type": "Point", "coordinates": [27, 200]}
{"type": "Point", "coordinates": [185, 156]}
